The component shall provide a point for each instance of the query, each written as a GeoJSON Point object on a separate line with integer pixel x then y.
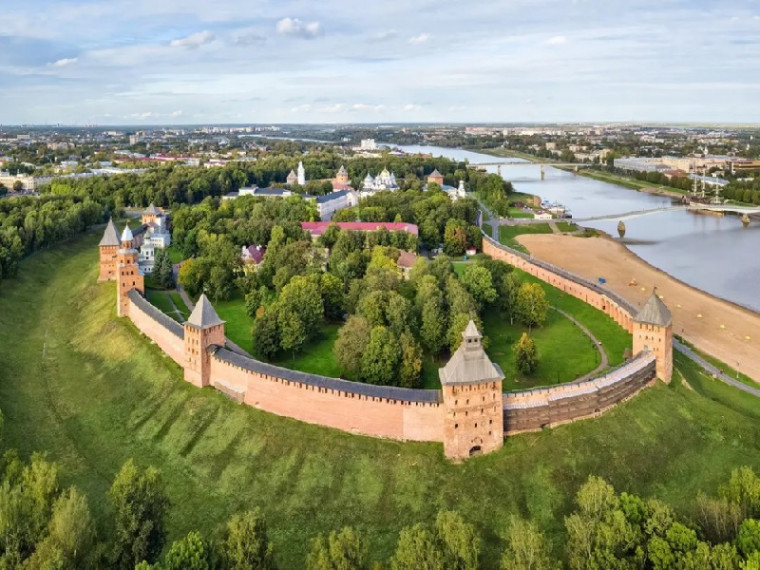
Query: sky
{"type": "Point", "coordinates": [148, 62]}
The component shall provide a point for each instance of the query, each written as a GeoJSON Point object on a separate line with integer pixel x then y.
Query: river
{"type": "Point", "coordinates": [715, 254]}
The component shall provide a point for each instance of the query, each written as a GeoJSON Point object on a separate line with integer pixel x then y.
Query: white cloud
{"type": "Point", "coordinates": [384, 36]}
{"type": "Point", "coordinates": [65, 62]}
{"type": "Point", "coordinates": [412, 107]}
{"type": "Point", "coordinates": [176, 113]}
{"type": "Point", "coordinates": [556, 41]}
{"type": "Point", "coordinates": [297, 28]}
{"type": "Point", "coordinates": [420, 39]}
{"type": "Point", "coordinates": [305, 108]}
{"type": "Point", "coordinates": [193, 41]}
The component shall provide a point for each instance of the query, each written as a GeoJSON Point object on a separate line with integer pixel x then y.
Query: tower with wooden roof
{"type": "Point", "coordinates": [653, 331]}
{"type": "Point", "coordinates": [127, 271]}
{"type": "Point", "coordinates": [342, 176]}
{"type": "Point", "coordinates": [108, 247]}
{"type": "Point", "coordinates": [472, 400]}
{"type": "Point", "coordinates": [203, 329]}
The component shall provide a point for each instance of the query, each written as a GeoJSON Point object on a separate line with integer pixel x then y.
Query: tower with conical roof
{"type": "Point", "coordinates": [436, 177]}
{"type": "Point", "coordinates": [203, 329]}
{"type": "Point", "coordinates": [108, 246]}
{"type": "Point", "coordinates": [127, 271]}
{"type": "Point", "coordinates": [150, 215]}
{"type": "Point", "coordinates": [342, 176]}
{"type": "Point", "coordinates": [472, 400]}
{"type": "Point", "coordinates": [653, 331]}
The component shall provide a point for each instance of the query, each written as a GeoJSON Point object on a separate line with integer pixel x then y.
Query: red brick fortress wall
{"type": "Point", "coordinates": [620, 310]}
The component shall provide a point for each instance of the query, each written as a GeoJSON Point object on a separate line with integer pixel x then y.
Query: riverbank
{"type": "Point", "coordinates": [630, 183]}
{"type": "Point", "coordinates": [717, 327]}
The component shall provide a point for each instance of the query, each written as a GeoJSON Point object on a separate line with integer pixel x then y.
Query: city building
{"type": "Point", "coordinates": [330, 203]}
{"type": "Point", "coordinates": [368, 144]}
{"type": "Point", "coordinates": [154, 235]}
{"type": "Point", "coordinates": [383, 181]}
{"type": "Point", "coordinates": [342, 176]}
{"type": "Point", "coordinates": [436, 177]}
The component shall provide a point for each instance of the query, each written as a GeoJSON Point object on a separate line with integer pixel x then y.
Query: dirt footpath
{"type": "Point", "coordinates": [724, 330]}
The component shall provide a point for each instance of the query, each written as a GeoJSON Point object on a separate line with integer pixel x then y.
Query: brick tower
{"type": "Point", "coordinates": [472, 400]}
{"type": "Point", "coordinates": [436, 177]}
{"type": "Point", "coordinates": [150, 215]}
{"type": "Point", "coordinates": [653, 330]}
{"type": "Point", "coordinates": [108, 246]}
{"type": "Point", "coordinates": [128, 273]}
{"type": "Point", "coordinates": [202, 329]}
{"type": "Point", "coordinates": [342, 176]}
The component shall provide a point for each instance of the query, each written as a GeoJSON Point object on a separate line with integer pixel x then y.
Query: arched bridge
{"type": "Point", "coordinates": [749, 210]}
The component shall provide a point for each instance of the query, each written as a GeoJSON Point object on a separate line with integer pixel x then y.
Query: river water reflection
{"type": "Point", "coordinates": [712, 253]}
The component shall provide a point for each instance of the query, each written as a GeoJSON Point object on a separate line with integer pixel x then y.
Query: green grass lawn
{"type": "Point", "coordinates": [161, 300]}
{"type": "Point", "coordinates": [519, 213]}
{"type": "Point", "coordinates": [566, 226]}
{"type": "Point", "coordinates": [485, 215]}
{"type": "Point", "coordinates": [614, 338]}
{"type": "Point", "coordinates": [488, 229]}
{"type": "Point", "coordinates": [88, 389]}
{"type": "Point", "coordinates": [175, 254]}
{"type": "Point", "coordinates": [317, 356]}
{"type": "Point", "coordinates": [239, 323]}
{"type": "Point", "coordinates": [507, 234]}
{"type": "Point", "coordinates": [564, 351]}
{"type": "Point", "coordinates": [180, 304]}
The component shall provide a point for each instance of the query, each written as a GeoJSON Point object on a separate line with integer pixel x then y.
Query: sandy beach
{"type": "Point", "coordinates": [719, 328]}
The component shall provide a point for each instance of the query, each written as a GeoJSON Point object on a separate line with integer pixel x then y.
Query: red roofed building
{"type": "Point", "coordinates": [318, 228]}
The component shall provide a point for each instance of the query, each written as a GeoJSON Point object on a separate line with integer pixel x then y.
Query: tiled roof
{"type": "Point", "coordinates": [470, 363]}
{"type": "Point", "coordinates": [110, 236]}
{"type": "Point", "coordinates": [317, 228]}
{"type": "Point", "coordinates": [654, 312]}
{"type": "Point", "coordinates": [204, 315]}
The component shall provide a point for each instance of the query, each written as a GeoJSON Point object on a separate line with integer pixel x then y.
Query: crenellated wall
{"type": "Point", "coordinates": [532, 410]}
{"type": "Point", "coordinates": [402, 413]}
{"type": "Point", "coordinates": [167, 333]}
{"type": "Point", "coordinates": [620, 310]}
{"type": "Point", "coordinates": [397, 413]}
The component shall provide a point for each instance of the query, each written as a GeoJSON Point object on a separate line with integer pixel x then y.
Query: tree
{"type": "Point", "coordinates": [353, 338]}
{"type": "Point", "coordinates": [3, 189]}
{"type": "Point", "coordinates": [526, 356]}
{"type": "Point", "coordinates": [460, 544]}
{"type": "Point", "coordinates": [27, 497]}
{"type": "Point", "coordinates": [526, 548]}
{"type": "Point", "coordinates": [139, 503]}
{"type": "Point", "coordinates": [189, 553]}
{"type": "Point", "coordinates": [344, 550]}
{"type": "Point", "coordinates": [331, 289]}
{"type": "Point", "coordinates": [162, 269]}
{"type": "Point", "coordinates": [70, 539]}
{"type": "Point", "coordinates": [245, 545]}
{"type": "Point", "coordinates": [266, 333]}
{"type": "Point", "coordinates": [743, 489]}
{"type": "Point", "coordinates": [748, 538]}
{"type": "Point", "coordinates": [416, 549]}
{"type": "Point", "coordinates": [293, 331]}
{"type": "Point", "coordinates": [532, 304]}
{"type": "Point", "coordinates": [429, 303]}
{"type": "Point", "coordinates": [599, 535]}
{"type": "Point", "coordinates": [411, 361]}
{"type": "Point", "coordinates": [381, 358]}
{"type": "Point", "coordinates": [509, 289]}
{"type": "Point", "coordinates": [478, 281]}
{"type": "Point", "coordinates": [455, 237]}
{"type": "Point", "coordinates": [18, 186]}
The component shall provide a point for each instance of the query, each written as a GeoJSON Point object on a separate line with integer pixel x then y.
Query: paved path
{"type": "Point", "coordinates": [713, 370]}
{"type": "Point", "coordinates": [604, 361]}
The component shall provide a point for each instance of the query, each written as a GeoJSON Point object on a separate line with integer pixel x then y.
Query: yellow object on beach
{"type": "Point", "coordinates": [747, 338]}
{"type": "Point", "coordinates": [699, 315]}
{"type": "Point", "coordinates": [722, 326]}
{"type": "Point", "coordinates": [679, 306]}
{"type": "Point", "coordinates": [643, 288]}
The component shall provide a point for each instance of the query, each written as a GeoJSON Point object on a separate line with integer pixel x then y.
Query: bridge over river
{"type": "Point", "coordinates": [694, 206]}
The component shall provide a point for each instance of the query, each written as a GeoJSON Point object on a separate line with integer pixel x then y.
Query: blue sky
{"type": "Point", "coordinates": [262, 61]}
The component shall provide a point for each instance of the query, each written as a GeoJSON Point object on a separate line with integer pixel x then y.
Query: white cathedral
{"type": "Point", "coordinates": [383, 181]}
